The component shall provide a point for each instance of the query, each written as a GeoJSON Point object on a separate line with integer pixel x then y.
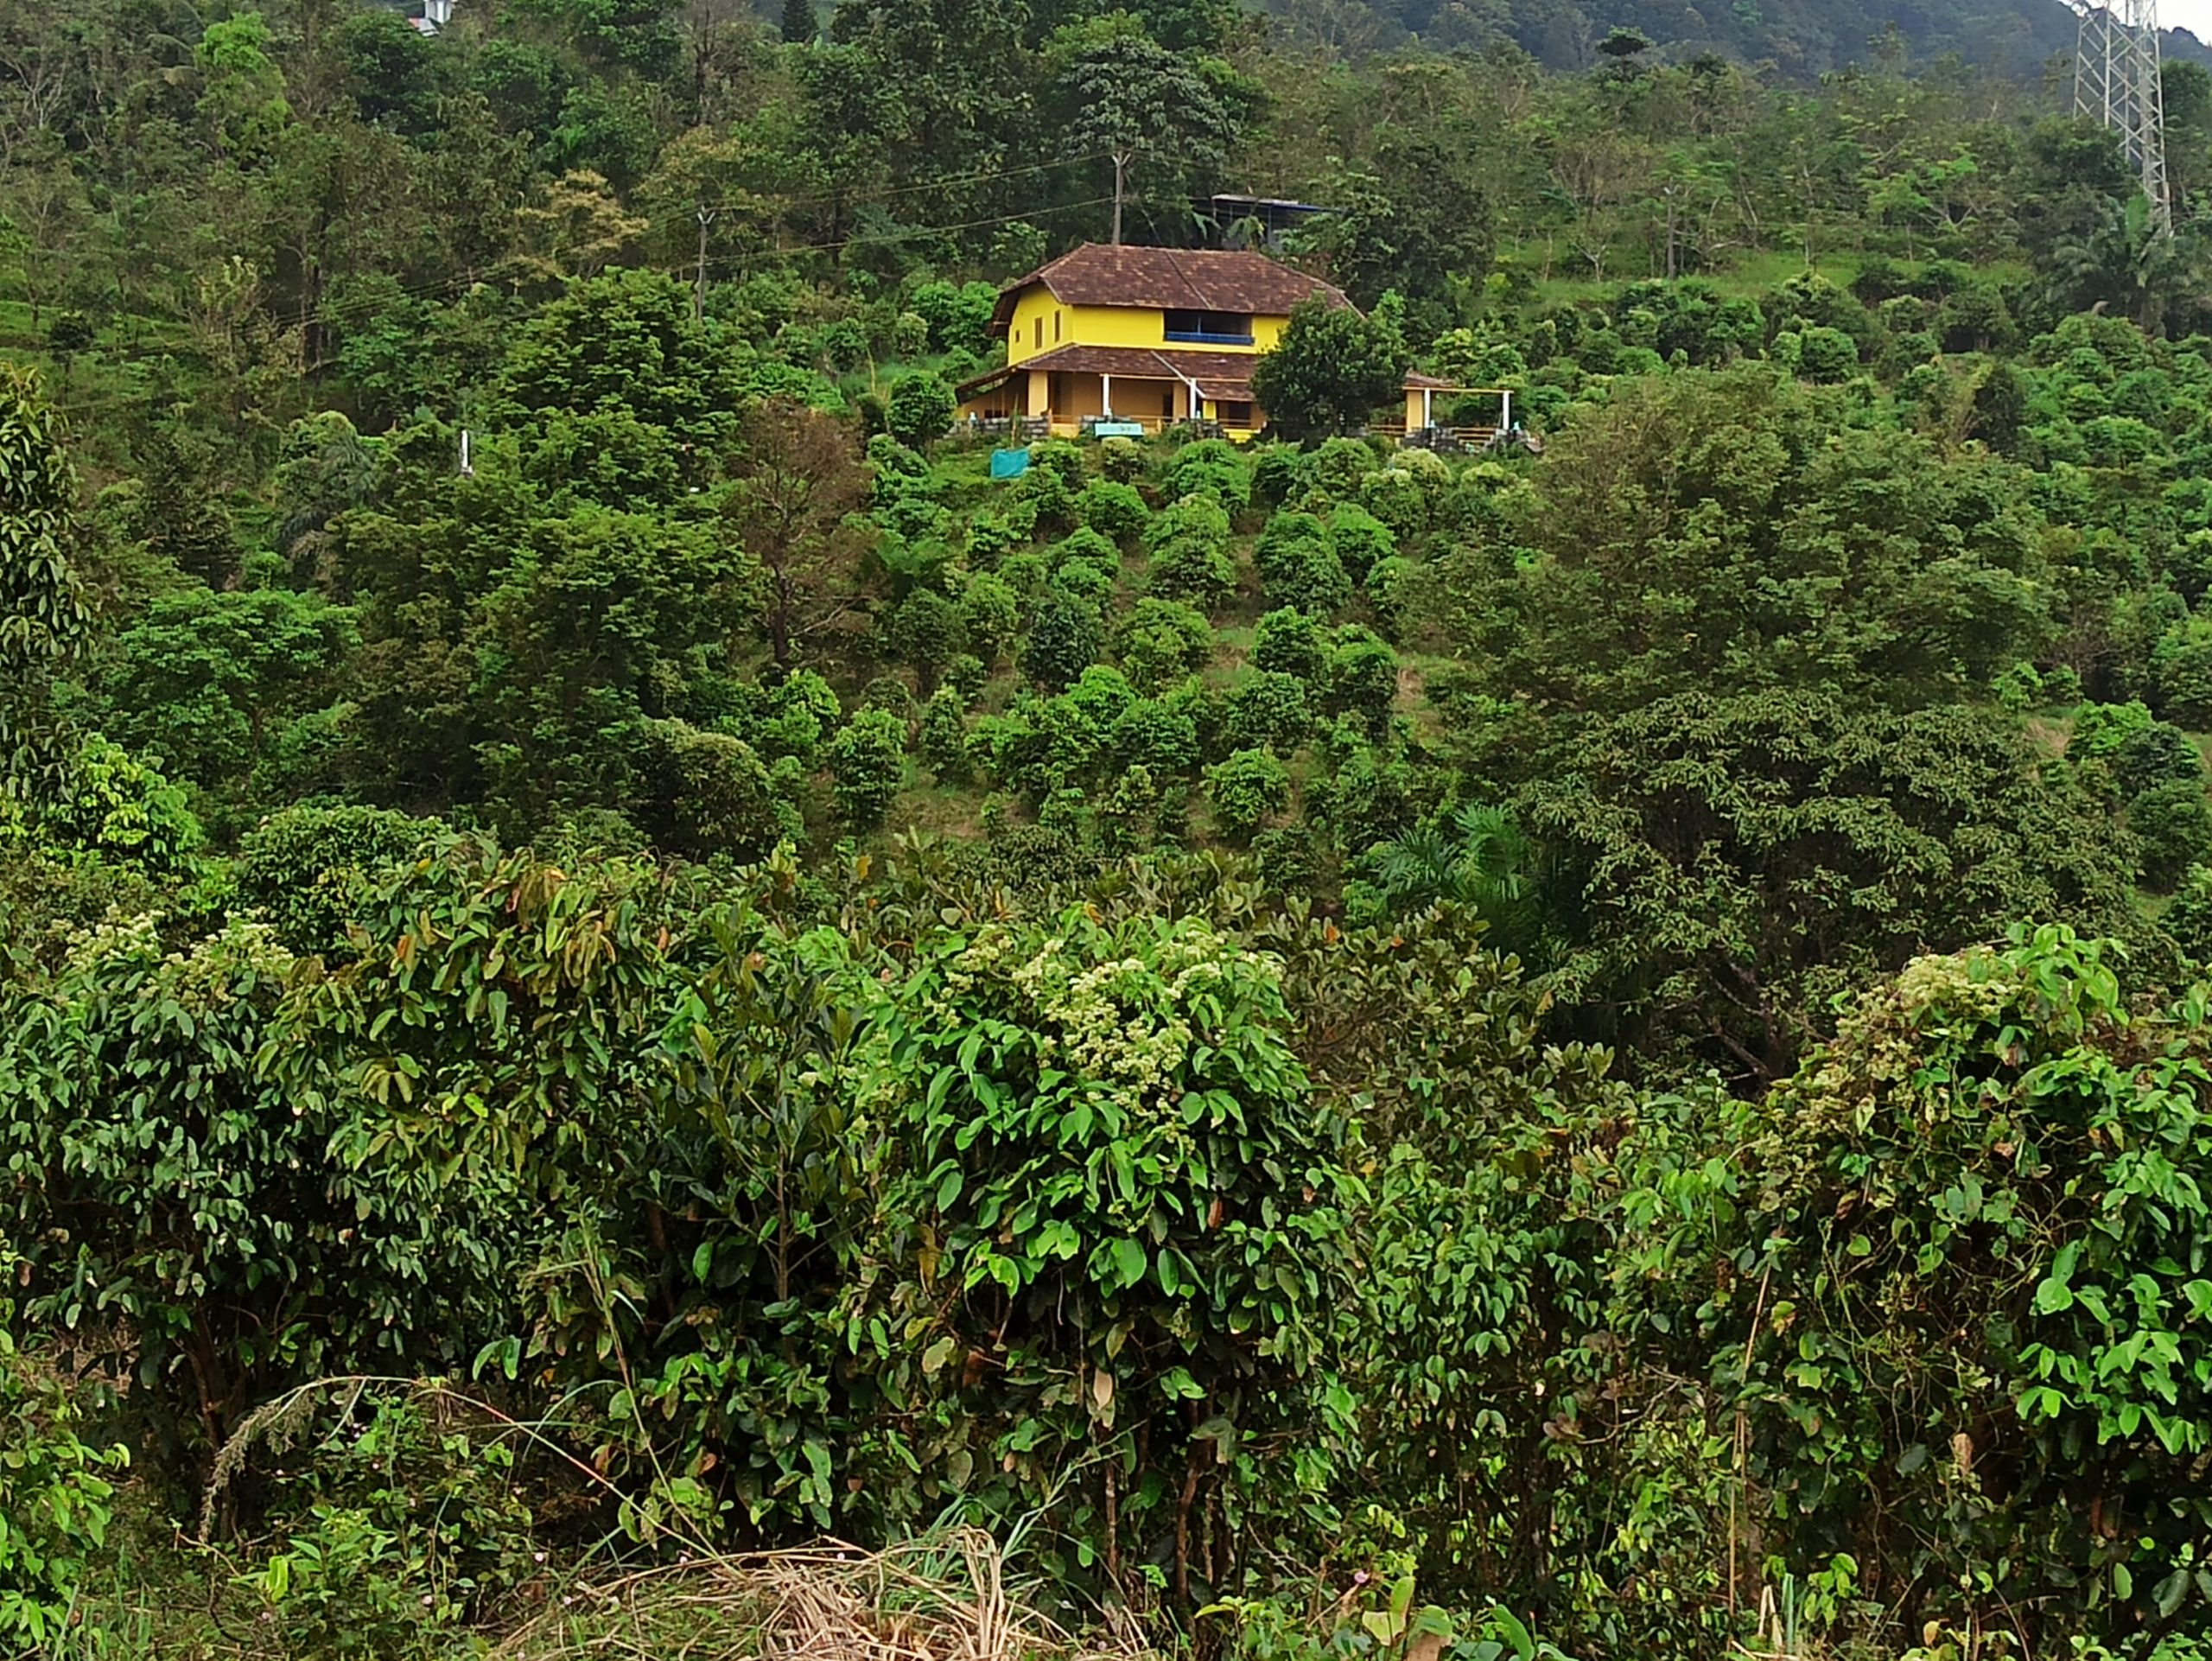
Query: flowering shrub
{"type": "Point", "coordinates": [1107, 1233]}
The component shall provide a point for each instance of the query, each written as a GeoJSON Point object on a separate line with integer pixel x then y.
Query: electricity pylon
{"type": "Point", "coordinates": [2116, 81]}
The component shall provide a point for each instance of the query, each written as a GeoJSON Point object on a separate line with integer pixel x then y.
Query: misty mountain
{"type": "Point", "coordinates": [1801, 38]}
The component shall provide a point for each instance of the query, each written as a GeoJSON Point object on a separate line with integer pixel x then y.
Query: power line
{"type": "Point", "coordinates": [753, 254]}
{"type": "Point", "coordinates": [454, 284]}
{"type": "Point", "coordinates": [877, 239]}
{"type": "Point", "coordinates": [323, 311]}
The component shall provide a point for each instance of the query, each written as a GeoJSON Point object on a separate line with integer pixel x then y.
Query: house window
{"type": "Point", "coordinates": [1210, 327]}
{"type": "Point", "coordinates": [1056, 325]}
{"type": "Point", "coordinates": [1040, 335]}
{"type": "Point", "coordinates": [1234, 412]}
{"type": "Point", "coordinates": [1168, 401]}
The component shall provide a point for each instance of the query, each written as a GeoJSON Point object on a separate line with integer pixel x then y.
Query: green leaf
{"type": "Point", "coordinates": [1125, 1176]}
{"type": "Point", "coordinates": [1129, 1261]}
{"type": "Point", "coordinates": [2169, 1592]}
{"type": "Point", "coordinates": [1524, 1645]}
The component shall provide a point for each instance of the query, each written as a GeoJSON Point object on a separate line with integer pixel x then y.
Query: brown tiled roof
{"type": "Point", "coordinates": [1137, 362]}
{"type": "Point", "coordinates": [1219, 374]}
{"type": "Point", "coordinates": [1233, 391]}
{"type": "Point", "coordinates": [984, 383]}
{"type": "Point", "coordinates": [1180, 279]}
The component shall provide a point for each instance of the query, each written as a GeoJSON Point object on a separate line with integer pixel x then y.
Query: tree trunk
{"type": "Point", "coordinates": [779, 626]}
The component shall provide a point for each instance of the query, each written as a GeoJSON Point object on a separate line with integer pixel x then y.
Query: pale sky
{"type": "Point", "coordinates": [2194, 15]}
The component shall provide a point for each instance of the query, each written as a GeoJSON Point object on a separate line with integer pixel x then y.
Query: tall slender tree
{"type": "Point", "coordinates": [43, 618]}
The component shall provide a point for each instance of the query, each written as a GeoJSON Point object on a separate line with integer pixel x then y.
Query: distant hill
{"type": "Point", "coordinates": [1803, 39]}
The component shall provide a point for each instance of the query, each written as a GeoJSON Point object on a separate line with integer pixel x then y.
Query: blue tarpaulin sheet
{"type": "Point", "coordinates": [1009, 464]}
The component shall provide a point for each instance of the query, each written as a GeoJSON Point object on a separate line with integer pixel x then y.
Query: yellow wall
{"type": "Point", "coordinates": [1036, 315]}
{"type": "Point", "coordinates": [1074, 396]}
{"type": "Point", "coordinates": [1034, 306]}
{"type": "Point", "coordinates": [1117, 326]}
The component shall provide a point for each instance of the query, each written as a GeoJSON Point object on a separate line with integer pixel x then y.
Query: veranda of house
{"type": "Point", "coordinates": [1071, 399]}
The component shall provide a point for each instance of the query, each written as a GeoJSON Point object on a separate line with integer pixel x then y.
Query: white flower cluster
{"type": "Point", "coordinates": [1882, 1046]}
{"type": "Point", "coordinates": [116, 935]}
{"type": "Point", "coordinates": [1125, 1022]}
{"type": "Point", "coordinates": [1964, 984]}
{"type": "Point", "coordinates": [210, 966]}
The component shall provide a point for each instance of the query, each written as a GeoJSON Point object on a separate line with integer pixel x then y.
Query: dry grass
{"type": "Point", "coordinates": [942, 1598]}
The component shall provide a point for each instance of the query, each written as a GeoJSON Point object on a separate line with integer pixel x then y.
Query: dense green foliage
{"type": "Point", "coordinates": [43, 618]}
{"type": "Point", "coordinates": [610, 951]}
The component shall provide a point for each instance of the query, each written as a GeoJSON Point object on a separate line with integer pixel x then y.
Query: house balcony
{"type": "Point", "coordinates": [1078, 390]}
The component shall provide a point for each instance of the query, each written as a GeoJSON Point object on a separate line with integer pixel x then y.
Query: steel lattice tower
{"type": "Point", "coordinates": [2116, 81]}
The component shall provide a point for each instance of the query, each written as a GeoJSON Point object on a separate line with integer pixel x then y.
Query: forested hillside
{"type": "Point", "coordinates": [1797, 38]}
{"type": "Point", "coordinates": [617, 957]}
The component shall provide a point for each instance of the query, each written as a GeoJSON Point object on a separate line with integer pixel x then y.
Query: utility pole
{"type": "Point", "coordinates": [2116, 82]}
{"type": "Point", "coordinates": [706, 217]}
{"type": "Point", "coordinates": [1121, 171]}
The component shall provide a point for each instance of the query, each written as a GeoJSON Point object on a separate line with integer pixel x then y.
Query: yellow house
{"type": "Point", "coordinates": [1146, 336]}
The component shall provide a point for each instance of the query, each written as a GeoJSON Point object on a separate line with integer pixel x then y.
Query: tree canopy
{"type": "Point", "coordinates": [633, 935]}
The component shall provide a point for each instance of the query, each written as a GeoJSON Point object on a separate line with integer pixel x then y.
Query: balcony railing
{"type": "Point", "coordinates": [1195, 337]}
{"type": "Point", "coordinates": [1088, 424]}
{"type": "Point", "coordinates": [1467, 439]}
{"type": "Point", "coordinates": [1022, 427]}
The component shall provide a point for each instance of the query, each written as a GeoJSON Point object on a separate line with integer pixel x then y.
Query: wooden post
{"type": "Point", "coordinates": [706, 216]}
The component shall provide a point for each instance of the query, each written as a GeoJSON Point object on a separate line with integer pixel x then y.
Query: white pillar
{"type": "Point", "coordinates": [1428, 406]}
{"type": "Point", "coordinates": [1505, 412]}
{"type": "Point", "coordinates": [1105, 396]}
